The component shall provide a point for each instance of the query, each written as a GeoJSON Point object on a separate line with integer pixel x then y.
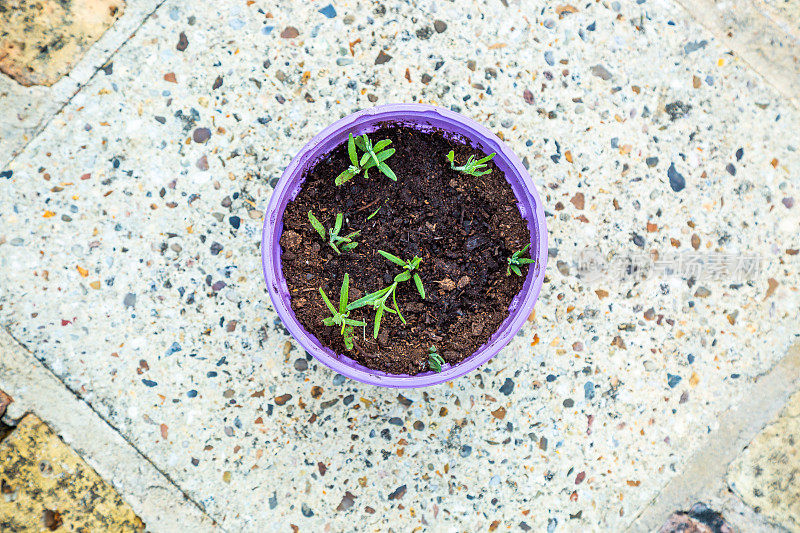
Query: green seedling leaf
{"type": "Point", "coordinates": [383, 167]}
{"type": "Point", "coordinates": [397, 308]}
{"type": "Point", "coordinates": [435, 361]}
{"type": "Point", "coordinates": [317, 225]}
{"type": "Point", "coordinates": [451, 156]}
{"type": "Point", "coordinates": [347, 335]}
{"type": "Point", "coordinates": [386, 154]}
{"type": "Point", "coordinates": [327, 301]}
{"type": "Point", "coordinates": [420, 288]}
{"type": "Point", "coordinates": [374, 213]}
{"type": "Point", "coordinates": [380, 145]}
{"type": "Point", "coordinates": [343, 293]}
{"type": "Point", "coordinates": [347, 175]}
{"type": "Point", "coordinates": [377, 326]}
{"type": "Point", "coordinates": [351, 149]}
{"type": "Point", "coordinates": [364, 159]}
{"type": "Point", "coordinates": [403, 276]}
{"type": "Point", "coordinates": [361, 141]}
{"type": "Point", "coordinates": [393, 258]}
{"type": "Point", "coordinates": [368, 299]}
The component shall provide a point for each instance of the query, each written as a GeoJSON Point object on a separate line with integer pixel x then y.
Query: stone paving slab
{"type": "Point", "coordinates": [66, 66]}
{"type": "Point", "coordinates": [767, 473]}
{"type": "Point", "coordinates": [41, 41]}
{"type": "Point", "coordinates": [130, 258]}
{"type": "Point", "coordinates": [46, 486]}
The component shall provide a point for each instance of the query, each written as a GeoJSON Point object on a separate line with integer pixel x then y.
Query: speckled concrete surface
{"type": "Point", "coordinates": [130, 258]}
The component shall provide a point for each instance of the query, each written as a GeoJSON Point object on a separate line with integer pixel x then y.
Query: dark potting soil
{"type": "Point", "coordinates": [463, 227]}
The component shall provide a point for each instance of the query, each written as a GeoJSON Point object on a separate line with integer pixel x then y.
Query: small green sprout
{"type": "Point", "coordinates": [435, 361]}
{"type": "Point", "coordinates": [333, 238]}
{"type": "Point", "coordinates": [373, 156]}
{"type": "Point", "coordinates": [473, 167]}
{"type": "Point", "coordinates": [374, 213]}
{"type": "Point", "coordinates": [340, 317]}
{"type": "Point", "coordinates": [378, 301]}
{"type": "Point", "coordinates": [409, 267]}
{"type": "Point", "coordinates": [516, 261]}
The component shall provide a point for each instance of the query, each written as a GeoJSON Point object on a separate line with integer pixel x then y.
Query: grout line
{"type": "Point", "coordinates": [46, 122]}
{"type": "Point", "coordinates": [703, 477]}
{"type": "Point", "coordinates": [150, 491]}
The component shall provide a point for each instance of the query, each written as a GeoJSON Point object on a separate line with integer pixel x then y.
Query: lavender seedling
{"type": "Point", "coordinates": [378, 301]}
{"type": "Point", "coordinates": [516, 261]}
{"type": "Point", "coordinates": [409, 267]}
{"type": "Point", "coordinates": [333, 238]}
{"type": "Point", "coordinates": [374, 213]}
{"type": "Point", "coordinates": [340, 317]}
{"type": "Point", "coordinates": [373, 156]}
{"type": "Point", "coordinates": [435, 361]}
{"type": "Point", "coordinates": [473, 167]}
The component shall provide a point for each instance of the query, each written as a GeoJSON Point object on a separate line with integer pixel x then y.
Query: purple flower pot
{"type": "Point", "coordinates": [421, 117]}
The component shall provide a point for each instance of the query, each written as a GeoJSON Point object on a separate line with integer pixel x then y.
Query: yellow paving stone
{"type": "Point", "coordinates": [765, 475]}
{"type": "Point", "coordinates": [45, 485]}
{"type": "Point", "coordinates": [41, 40]}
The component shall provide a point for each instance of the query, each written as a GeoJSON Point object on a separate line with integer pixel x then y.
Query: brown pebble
{"type": "Point", "coordinates": [170, 77]}
{"type": "Point", "coordinates": [702, 292]}
{"type": "Point", "coordinates": [290, 32]}
{"type": "Point", "coordinates": [439, 25]}
{"type": "Point", "coordinates": [282, 399]}
{"type": "Point", "coordinates": [382, 58]}
{"type": "Point", "coordinates": [695, 241]}
{"type": "Point", "coordinates": [201, 135]}
{"type": "Point", "coordinates": [527, 95]}
{"type": "Point", "coordinates": [183, 42]}
{"type": "Point", "coordinates": [577, 200]}
{"type": "Point", "coordinates": [618, 342]}
{"type": "Point", "coordinates": [500, 413]}
{"type": "Point", "coordinates": [316, 391]}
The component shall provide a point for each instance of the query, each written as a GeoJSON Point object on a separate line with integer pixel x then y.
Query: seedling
{"type": "Point", "coordinates": [374, 213]}
{"type": "Point", "coordinates": [333, 238]}
{"type": "Point", "coordinates": [435, 361]}
{"type": "Point", "coordinates": [340, 317]}
{"type": "Point", "coordinates": [516, 261]}
{"type": "Point", "coordinates": [373, 156]}
{"type": "Point", "coordinates": [408, 267]}
{"type": "Point", "coordinates": [378, 301]}
{"type": "Point", "coordinates": [473, 167]}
